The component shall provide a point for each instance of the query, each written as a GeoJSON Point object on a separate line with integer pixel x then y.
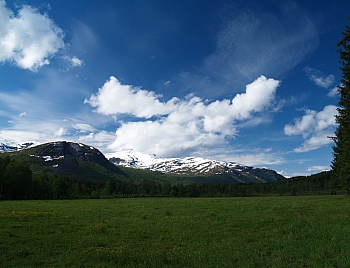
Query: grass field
{"type": "Point", "coordinates": [298, 231]}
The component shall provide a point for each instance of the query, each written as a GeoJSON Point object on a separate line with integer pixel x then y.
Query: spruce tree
{"type": "Point", "coordinates": [341, 149]}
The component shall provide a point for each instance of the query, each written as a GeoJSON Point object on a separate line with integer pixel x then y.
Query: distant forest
{"type": "Point", "coordinates": [17, 181]}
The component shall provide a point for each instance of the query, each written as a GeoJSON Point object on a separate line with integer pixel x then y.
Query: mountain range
{"type": "Point", "coordinates": [192, 166]}
{"type": "Point", "coordinates": [83, 161]}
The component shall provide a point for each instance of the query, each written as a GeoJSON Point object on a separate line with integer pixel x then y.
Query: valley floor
{"type": "Point", "coordinates": [279, 231]}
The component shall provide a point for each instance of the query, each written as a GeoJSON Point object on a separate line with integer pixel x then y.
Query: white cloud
{"type": "Point", "coordinates": [81, 127]}
{"type": "Point", "coordinates": [179, 126]}
{"type": "Point", "coordinates": [259, 159]}
{"type": "Point", "coordinates": [73, 61]}
{"type": "Point", "coordinates": [61, 132]}
{"type": "Point", "coordinates": [318, 168]}
{"type": "Point", "coordinates": [20, 136]}
{"type": "Point", "coordinates": [167, 83]}
{"type": "Point", "coordinates": [319, 78]}
{"type": "Point", "coordinates": [314, 142]}
{"type": "Point", "coordinates": [29, 39]}
{"type": "Point", "coordinates": [333, 92]}
{"type": "Point", "coordinates": [256, 157]}
{"type": "Point", "coordinates": [55, 131]}
{"type": "Point", "coordinates": [115, 98]}
{"type": "Point", "coordinates": [315, 128]}
{"type": "Point", "coordinates": [100, 139]}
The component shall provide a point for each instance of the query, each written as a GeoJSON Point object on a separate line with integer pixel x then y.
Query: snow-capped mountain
{"type": "Point", "coordinates": [185, 165]}
{"type": "Point", "coordinates": [193, 168]}
{"type": "Point", "coordinates": [12, 146]}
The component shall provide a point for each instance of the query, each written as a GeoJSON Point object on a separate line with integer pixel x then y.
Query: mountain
{"type": "Point", "coordinates": [80, 161]}
{"type": "Point", "coordinates": [69, 159]}
{"type": "Point", "coordinates": [194, 167]}
{"type": "Point", "coordinates": [185, 165]}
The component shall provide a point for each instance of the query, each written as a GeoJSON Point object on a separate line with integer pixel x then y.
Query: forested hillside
{"type": "Point", "coordinates": [17, 181]}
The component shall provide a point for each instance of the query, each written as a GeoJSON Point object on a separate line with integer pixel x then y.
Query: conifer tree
{"type": "Point", "coordinates": [341, 149]}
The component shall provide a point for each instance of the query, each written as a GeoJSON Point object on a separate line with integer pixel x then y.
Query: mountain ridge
{"type": "Point", "coordinates": [192, 166]}
{"type": "Point", "coordinates": [177, 165]}
{"type": "Point", "coordinates": [84, 161]}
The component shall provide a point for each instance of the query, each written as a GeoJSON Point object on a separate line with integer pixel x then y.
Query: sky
{"type": "Point", "coordinates": [253, 82]}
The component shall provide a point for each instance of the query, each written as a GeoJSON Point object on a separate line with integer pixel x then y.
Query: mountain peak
{"type": "Point", "coordinates": [72, 159]}
{"type": "Point", "coordinates": [61, 149]}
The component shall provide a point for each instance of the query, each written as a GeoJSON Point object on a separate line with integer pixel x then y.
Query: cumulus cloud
{"type": "Point", "coordinates": [319, 78]}
{"type": "Point", "coordinates": [178, 126]}
{"type": "Point", "coordinates": [315, 128]}
{"type": "Point", "coordinates": [28, 39]}
{"type": "Point", "coordinates": [115, 98]}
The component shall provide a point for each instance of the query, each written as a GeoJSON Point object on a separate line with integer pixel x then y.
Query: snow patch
{"type": "Point", "coordinates": [47, 157]}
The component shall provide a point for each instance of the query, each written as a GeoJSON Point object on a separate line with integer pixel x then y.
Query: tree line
{"type": "Point", "coordinates": [17, 181]}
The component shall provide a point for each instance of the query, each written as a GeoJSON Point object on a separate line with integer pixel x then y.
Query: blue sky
{"type": "Point", "coordinates": [247, 81]}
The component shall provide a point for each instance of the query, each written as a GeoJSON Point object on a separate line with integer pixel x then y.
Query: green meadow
{"type": "Point", "coordinates": [278, 231]}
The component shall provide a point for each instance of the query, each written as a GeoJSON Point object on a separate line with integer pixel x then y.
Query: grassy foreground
{"type": "Point", "coordinates": [298, 231]}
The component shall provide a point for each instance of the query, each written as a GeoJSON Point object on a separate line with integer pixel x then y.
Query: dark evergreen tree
{"type": "Point", "coordinates": [341, 149]}
{"type": "Point", "coordinates": [41, 187]}
{"type": "Point", "coordinates": [59, 188]}
{"type": "Point", "coordinates": [166, 189]}
{"type": "Point", "coordinates": [17, 180]}
{"type": "Point", "coordinates": [2, 172]}
{"type": "Point", "coordinates": [3, 164]}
